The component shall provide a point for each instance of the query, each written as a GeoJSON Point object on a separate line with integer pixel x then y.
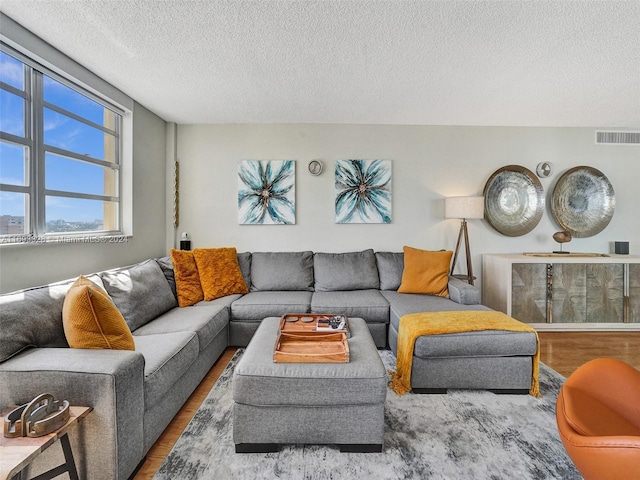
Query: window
{"type": "Point", "coordinates": [60, 155]}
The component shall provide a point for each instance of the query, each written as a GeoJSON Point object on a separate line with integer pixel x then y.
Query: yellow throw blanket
{"type": "Point", "coordinates": [437, 323]}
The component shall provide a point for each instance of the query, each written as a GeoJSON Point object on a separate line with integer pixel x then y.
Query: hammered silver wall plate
{"type": "Point", "coordinates": [583, 201]}
{"type": "Point", "coordinates": [513, 200]}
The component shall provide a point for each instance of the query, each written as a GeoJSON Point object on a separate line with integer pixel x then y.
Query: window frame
{"type": "Point", "coordinates": [34, 110]}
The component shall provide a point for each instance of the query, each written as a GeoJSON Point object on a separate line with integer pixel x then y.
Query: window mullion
{"type": "Point", "coordinates": [38, 176]}
{"type": "Point", "coordinates": [81, 158]}
{"type": "Point", "coordinates": [78, 118]}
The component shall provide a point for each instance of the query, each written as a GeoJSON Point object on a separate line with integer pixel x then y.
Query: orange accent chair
{"type": "Point", "coordinates": [598, 415]}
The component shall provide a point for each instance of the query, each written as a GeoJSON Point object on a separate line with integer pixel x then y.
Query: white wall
{"type": "Point", "coordinates": [429, 164]}
{"type": "Point", "coordinates": [23, 266]}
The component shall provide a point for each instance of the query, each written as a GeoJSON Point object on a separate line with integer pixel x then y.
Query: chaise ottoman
{"type": "Point", "coordinates": [484, 350]}
{"type": "Point", "coordinates": [309, 403]}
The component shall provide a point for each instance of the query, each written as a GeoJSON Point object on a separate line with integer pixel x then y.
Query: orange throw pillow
{"type": "Point", "coordinates": [220, 273]}
{"type": "Point", "coordinates": [91, 320]}
{"type": "Point", "coordinates": [426, 272]}
{"type": "Point", "coordinates": [187, 278]}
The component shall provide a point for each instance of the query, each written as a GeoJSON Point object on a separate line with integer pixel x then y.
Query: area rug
{"type": "Point", "coordinates": [461, 435]}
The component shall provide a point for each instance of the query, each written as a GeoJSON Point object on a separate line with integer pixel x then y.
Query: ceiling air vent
{"type": "Point", "coordinates": [618, 138]}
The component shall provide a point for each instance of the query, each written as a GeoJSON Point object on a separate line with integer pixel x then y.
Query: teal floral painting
{"type": "Point", "coordinates": [363, 191]}
{"type": "Point", "coordinates": [266, 192]}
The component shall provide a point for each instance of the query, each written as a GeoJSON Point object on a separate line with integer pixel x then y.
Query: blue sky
{"type": "Point", "coordinates": [60, 131]}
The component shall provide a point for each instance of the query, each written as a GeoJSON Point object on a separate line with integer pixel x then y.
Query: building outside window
{"type": "Point", "coordinates": [60, 155]}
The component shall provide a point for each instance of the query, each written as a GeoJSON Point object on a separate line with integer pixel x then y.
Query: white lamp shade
{"type": "Point", "coordinates": [464, 207]}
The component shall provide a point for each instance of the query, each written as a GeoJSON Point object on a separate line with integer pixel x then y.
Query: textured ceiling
{"type": "Point", "coordinates": [523, 63]}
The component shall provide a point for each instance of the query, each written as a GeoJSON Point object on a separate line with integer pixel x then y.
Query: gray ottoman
{"type": "Point", "coordinates": [309, 403]}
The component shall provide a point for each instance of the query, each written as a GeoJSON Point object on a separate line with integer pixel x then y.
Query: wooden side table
{"type": "Point", "coordinates": [18, 453]}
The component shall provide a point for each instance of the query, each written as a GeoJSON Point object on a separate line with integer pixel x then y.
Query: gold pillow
{"type": "Point", "coordinates": [187, 278]}
{"type": "Point", "coordinates": [91, 320]}
{"type": "Point", "coordinates": [426, 272]}
{"type": "Point", "coordinates": [220, 273]}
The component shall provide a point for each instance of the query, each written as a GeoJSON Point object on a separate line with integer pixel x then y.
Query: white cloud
{"type": "Point", "coordinates": [12, 203]}
{"type": "Point", "coordinates": [11, 71]}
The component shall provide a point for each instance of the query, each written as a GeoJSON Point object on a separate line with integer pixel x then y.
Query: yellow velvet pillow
{"type": "Point", "coordinates": [91, 320]}
{"type": "Point", "coordinates": [187, 278]}
{"type": "Point", "coordinates": [426, 272]}
{"type": "Point", "coordinates": [220, 273]}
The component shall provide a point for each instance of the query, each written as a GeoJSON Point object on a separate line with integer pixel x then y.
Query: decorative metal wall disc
{"type": "Point", "coordinates": [513, 200]}
{"type": "Point", "coordinates": [583, 201]}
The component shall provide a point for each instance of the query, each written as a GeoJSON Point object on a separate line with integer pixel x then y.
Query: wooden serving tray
{"type": "Point", "coordinates": [311, 347]}
{"type": "Point", "coordinates": [308, 323]}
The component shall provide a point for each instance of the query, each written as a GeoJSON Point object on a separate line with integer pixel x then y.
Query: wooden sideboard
{"type": "Point", "coordinates": [560, 292]}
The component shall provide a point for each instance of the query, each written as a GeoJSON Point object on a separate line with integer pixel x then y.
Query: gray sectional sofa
{"type": "Point", "coordinates": [135, 394]}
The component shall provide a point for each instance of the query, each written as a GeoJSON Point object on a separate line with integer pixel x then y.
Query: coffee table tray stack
{"type": "Point", "coordinates": [311, 348]}
{"type": "Point", "coordinates": [298, 340]}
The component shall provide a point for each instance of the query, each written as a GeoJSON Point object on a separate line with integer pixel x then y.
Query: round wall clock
{"type": "Point", "coordinates": [315, 167]}
{"type": "Point", "coordinates": [544, 169]}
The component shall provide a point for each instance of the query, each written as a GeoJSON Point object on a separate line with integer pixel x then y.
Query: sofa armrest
{"type": "Point", "coordinates": [463, 293]}
{"type": "Point", "coordinates": [111, 438]}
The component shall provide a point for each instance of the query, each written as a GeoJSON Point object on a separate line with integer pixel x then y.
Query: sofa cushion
{"type": "Point", "coordinates": [345, 271]}
{"type": "Point", "coordinates": [483, 343]}
{"type": "Point", "coordinates": [167, 268]}
{"type": "Point", "coordinates": [244, 260]}
{"type": "Point", "coordinates": [426, 272]}
{"type": "Point", "coordinates": [91, 320]}
{"type": "Point", "coordinates": [207, 320]}
{"type": "Point", "coordinates": [167, 357]}
{"type": "Point", "coordinates": [367, 304]}
{"type": "Point", "coordinates": [20, 310]}
{"type": "Point", "coordinates": [390, 268]}
{"type": "Point", "coordinates": [404, 303]}
{"type": "Point", "coordinates": [259, 305]}
{"type": "Point", "coordinates": [281, 271]}
{"type": "Point", "coordinates": [219, 272]}
{"type": "Point", "coordinates": [141, 292]}
{"type": "Point", "coordinates": [223, 301]}
{"type": "Point", "coordinates": [188, 285]}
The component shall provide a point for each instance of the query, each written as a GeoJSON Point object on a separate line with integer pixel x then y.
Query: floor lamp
{"type": "Point", "coordinates": [465, 208]}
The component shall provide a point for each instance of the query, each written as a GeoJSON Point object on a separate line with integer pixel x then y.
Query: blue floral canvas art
{"type": "Point", "coordinates": [363, 191]}
{"type": "Point", "coordinates": [266, 192]}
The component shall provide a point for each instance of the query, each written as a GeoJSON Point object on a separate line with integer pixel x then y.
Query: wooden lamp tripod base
{"type": "Point", "coordinates": [463, 233]}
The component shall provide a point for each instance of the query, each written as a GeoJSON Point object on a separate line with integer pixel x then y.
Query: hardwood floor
{"type": "Point", "coordinates": [165, 443]}
{"type": "Point", "coordinates": [562, 351]}
{"type": "Point", "coordinates": [566, 351]}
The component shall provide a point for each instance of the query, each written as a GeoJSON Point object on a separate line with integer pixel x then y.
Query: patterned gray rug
{"type": "Point", "coordinates": [461, 435]}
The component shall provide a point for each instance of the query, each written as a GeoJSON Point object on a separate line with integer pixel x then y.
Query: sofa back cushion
{"type": "Point", "coordinates": [345, 271]}
{"type": "Point", "coordinates": [141, 292]}
{"type": "Point", "coordinates": [281, 271]}
{"type": "Point", "coordinates": [32, 318]}
{"type": "Point", "coordinates": [390, 267]}
{"type": "Point", "coordinates": [244, 260]}
{"type": "Point", "coordinates": [166, 265]}
{"type": "Point", "coordinates": [92, 321]}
